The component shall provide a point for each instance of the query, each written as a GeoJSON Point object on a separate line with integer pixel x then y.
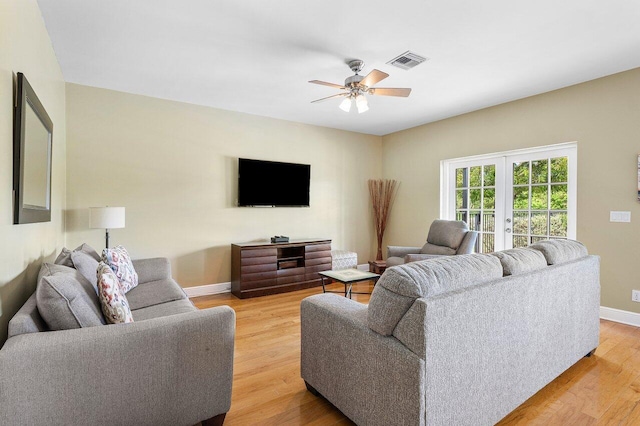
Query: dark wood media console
{"type": "Point", "coordinates": [258, 269]}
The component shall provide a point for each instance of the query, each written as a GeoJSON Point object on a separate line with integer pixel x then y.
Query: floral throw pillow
{"type": "Point", "coordinates": [120, 262]}
{"type": "Point", "coordinates": [113, 302]}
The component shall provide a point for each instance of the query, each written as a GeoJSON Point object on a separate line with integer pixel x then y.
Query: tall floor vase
{"type": "Point", "coordinates": [381, 192]}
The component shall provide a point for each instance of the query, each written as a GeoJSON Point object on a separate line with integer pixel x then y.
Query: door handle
{"type": "Point", "coordinates": [507, 230]}
{"type": "Point", "coordinates": [508, 220]}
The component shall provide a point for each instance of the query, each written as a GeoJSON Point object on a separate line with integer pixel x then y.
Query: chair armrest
{"type": "Point", "coordinates": [154, 269]}
{"type": "Point", "coordinates": [343, 359]}
{"type": "Point", "coordinates": [171, 370]}
{"type": "Point", "coordinates": [399, 251]}
{"type": "Point", "coordinates": [416, 257]}
{"type": "Point", "coordinates": [468, 243]}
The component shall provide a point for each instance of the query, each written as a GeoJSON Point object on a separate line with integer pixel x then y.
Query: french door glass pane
{"type": "Point", "coordinates": [539, 197]}
{"type": "Point", "coordinates": [521, 173]}
{"type": "Point", "coordinates": [520, 222]}
{"type": "Point", "coordinates": [520, 241]}
{"type": "Point", "coordinates": [539, 222]}
{"type": "Point", "coordinates": [461, 179]}
{"type": "Point", "coordinates": [559, 197]}
{"type": "Point", "coordinates": [489, 199]}
{"type": "Point", "coordinates": [559, 169]}
{"type": "Point", "coordinates": [475, 176]}
{"type": "Point", "coordinates": [521, 198]}
{"type": "Point", "coordinates": [489, 175]}
{"type": "Point", "coordinates": [558, 224]}
{"type": "Point", "coordinates": [539, 171]}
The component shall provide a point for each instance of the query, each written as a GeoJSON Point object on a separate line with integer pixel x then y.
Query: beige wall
{"type": "Point", "coordinates": [174, 167]}
{"type": "Point", "coordinates": [603, 116]}
{"type": "Point", "coordinates": [25, 47]}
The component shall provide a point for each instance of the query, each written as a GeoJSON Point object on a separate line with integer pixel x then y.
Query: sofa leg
{"type": "Point", "coordinates": [215, 420]}
{"type": "Point", "coordinates": [311, 389]}
{"type": "Point", "coordinates": [591, 353]}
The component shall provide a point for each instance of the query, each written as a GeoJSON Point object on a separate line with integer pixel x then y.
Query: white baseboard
{"type": "Point", "coordinates": [208, 289]}
{"type": "Point", "coordinates": [618, 315]}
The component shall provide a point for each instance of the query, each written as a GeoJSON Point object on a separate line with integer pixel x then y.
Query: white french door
{"type": "Point", "coordinates": [514, 198]}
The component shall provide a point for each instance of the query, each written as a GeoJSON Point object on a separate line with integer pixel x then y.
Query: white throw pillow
{"type": "Point", "coordinates": [119, 261]}
{"type": "Point", "coordinates": [113, 302]}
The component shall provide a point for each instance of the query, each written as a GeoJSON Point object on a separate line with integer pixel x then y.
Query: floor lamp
{"type": "Point", "coordinates": [106, 218]}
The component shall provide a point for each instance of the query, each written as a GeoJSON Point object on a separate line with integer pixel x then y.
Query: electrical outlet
{"type": "Point", "coordinates": [635, 295]}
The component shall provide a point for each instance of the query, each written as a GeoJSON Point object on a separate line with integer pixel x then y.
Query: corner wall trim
{"type": "Point", "coordinates": [618, 315]}
{"type": "Point", "coordinates": [207, 289]}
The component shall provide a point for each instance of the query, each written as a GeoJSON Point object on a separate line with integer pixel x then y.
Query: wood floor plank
{"type": "Point", "coordinates": [267, 389]}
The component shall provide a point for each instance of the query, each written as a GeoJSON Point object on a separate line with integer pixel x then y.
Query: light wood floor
{"type": "Point", "coordinates": [268, 390]}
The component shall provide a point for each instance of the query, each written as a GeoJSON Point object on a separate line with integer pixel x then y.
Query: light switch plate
{"type": "Point", "coordinates": [619, 216]}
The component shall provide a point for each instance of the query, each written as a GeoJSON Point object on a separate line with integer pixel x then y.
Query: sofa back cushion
{"type": "Point", "coordinates": [66, 299]}
{"type": "Point", "coordinates": [520, 260]}
{"type": "Point", "coordinates": [447, 233]}
{"type": "Point", "coordinates": [401, 285]}
{"type": "Point", "coordinates": [560, 251]}
{"type": "Point", "coordinates": [84, 258]}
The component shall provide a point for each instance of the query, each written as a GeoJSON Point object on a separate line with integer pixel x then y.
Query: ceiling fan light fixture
{"type": "Point", "coordinates": [345, 105]}
{"type": "Point", "coordinates": [361, 104]}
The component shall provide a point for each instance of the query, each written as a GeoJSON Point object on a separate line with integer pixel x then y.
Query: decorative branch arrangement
{"type": "Point", "coordinates": [381, 192]}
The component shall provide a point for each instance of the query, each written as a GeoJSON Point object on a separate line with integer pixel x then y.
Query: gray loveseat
{"type": "Point", "coordinates": [172, 366]}
{"type": "Point", "coordinates": [459, 340]}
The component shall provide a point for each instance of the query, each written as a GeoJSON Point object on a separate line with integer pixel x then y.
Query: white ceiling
{"type": "Point", "coordinates": [257, 56]}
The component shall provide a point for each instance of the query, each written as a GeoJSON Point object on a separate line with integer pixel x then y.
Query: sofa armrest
{"type": "Point", "coordinates": [343, 359]}
{"type": "Point", "coordinates": [154, 269]}
{"type": "Point", "coordinates": [164, 371]}
{"type": "Point", "coordinates": [400, 251]}
{"type": "Point", "coordinates": [417, 257]}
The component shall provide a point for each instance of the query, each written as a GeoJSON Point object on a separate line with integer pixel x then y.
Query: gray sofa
{"type": "Point", "coordinates": [445, 238]}
{"type": "Point", "coordinates": [172, 366]}
{"type": "Point", "coordinates": [458, 340]}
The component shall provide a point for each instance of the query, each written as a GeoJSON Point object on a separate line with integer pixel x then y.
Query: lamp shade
{"type": "Point", "coordinates": [106, 217]}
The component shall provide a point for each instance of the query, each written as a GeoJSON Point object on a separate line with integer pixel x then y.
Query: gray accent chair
{"type": "Point", "coordinates": [446, 238]}
{"type": "Point", "coordinates": [455, 340]}
{"type": "Point", "coordinates": [172, 366]}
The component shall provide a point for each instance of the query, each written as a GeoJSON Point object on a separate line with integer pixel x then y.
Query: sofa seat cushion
{"type": "Point", "coordinates": [164, 309]}
{"type": "Point", "coordinates": [66, 299]}
{"type": "Point", "coordinates": [520, 260]}
{"type": "Point", "coordinates": [429, 248]}
{"type": "Point", "coordinates": [400, 286]}
{"type": "Point", "coordinates": [154, 293]}
{"type": "Point", "coordinates": [560, 251]}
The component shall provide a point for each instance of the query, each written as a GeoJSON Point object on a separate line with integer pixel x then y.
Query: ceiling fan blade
{"type": "Point", "coordinates": [380, 91]}
{"type": "Point", "coordinates": [324, 83]}
{"type": "Point", "coordinates": [329, 97]}
{"type": "Point", "coordinates": [373, 77]}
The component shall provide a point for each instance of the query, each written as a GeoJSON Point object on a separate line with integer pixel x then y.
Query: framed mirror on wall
{"type": "Point", "coordinates": [32, 156]}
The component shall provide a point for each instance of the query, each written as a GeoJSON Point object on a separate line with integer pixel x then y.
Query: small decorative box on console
{"type": "Point", "coordinates": [279, 239]}
{"type": "Point", "coordinates": [258, 269]}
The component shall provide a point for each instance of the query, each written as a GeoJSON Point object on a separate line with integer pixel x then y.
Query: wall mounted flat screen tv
{"type": "Point", "coordinates": [273, 184]}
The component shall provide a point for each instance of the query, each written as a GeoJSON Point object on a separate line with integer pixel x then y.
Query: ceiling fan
{"type": "Point", "coordinates": [358, 86]}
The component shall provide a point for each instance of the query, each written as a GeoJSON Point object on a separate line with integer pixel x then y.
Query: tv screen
{"type": "Point", "coordinates": [273, 184]}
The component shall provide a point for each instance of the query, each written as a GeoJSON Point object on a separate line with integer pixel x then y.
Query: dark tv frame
{"type": "Point", "coordinates": [26, 98]}
{"type": "Point", "coordinates": [274, 205]}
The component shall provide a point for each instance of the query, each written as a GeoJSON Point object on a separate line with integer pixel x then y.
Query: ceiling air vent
{"type": "Point", "coordinates": [407, 60]}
